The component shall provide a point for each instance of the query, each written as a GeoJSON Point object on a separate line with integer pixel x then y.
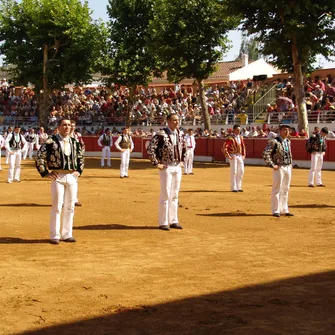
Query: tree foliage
{"type": "Point", "coordinates": [129, 61]}
{"type": "Point", "coordinates": [61, 28]}
{"type": "Point", "coordinates": [189, 37]}
{"type": "Point", "coordinates": [292, 33]}
{"type": "Point", "coordinates": [250, 47]}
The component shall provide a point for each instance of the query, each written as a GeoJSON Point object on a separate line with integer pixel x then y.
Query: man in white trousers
{"type": "Point", "coordinates": [15, 145]}
{"type": "Point", "coordinates": [234, 149]}
{"type": "Point", "coordinates": [7, 132]}
{"type": "Point", "coordinates": [167, 152]}
{"type": "Point", "coordinates": [317, 148]}
{"type": "Point", "coordinates": [277, 155]}
{"type": "Point", "coordinates": [31, 139]}
{"type": "Point", "coordinates": [125, 145]}
{"type": "Point", "coordinates": [105, 141]}
{"type": "Point", "coordinates": [76, 135]}
{"type": "Point", "coordinates": [190, 147]}
{"type": "Point", "coordinates": [61, 159]}
{"type": "Point", "coordinates": [2, 144]}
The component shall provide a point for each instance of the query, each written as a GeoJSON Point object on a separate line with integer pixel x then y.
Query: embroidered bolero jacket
{"type": "Point", "coordinates": [231, 146]}
{"type": "Point", "coordinates": [274, 153]}
{"type": "Point", "coordinates": [51, 157]}
{"type": "Point", "coordinates": [160, 149]}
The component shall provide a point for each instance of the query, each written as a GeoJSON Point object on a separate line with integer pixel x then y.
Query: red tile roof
{"type": "Point", "coordinates": [220, 75]}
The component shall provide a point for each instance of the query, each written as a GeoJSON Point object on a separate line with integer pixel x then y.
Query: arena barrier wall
{"type": "Point", "coordinates": [209, 150]}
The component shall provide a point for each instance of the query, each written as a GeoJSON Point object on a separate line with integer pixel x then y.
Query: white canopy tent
{"type": "Point", "coordinates": [256, 68]}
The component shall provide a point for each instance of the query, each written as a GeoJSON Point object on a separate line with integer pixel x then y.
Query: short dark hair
{"type": "Point", "coordinates": [325, 130]}
{"type": "Point", "coordinates": [236, 126]}
{"type": "Point", "coordinates": [169, 116]}
{"type": "Point", "coordinates": [62, 119]}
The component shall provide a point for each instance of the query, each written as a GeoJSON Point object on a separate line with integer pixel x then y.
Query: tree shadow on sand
{"type": "Point", "coordinates": [300, 305]}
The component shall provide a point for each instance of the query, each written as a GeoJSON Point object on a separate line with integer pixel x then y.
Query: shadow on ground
{"type": "Point", "coordinates": [113, 227]}
{"type": "Point", "coordinates": [232, 214]}
{"type": "Point", "coordinates": [17, 240]}
{"type": "Point", "coordinates": [302, 305]}
{"type": "Point", "coordinates": [24, 205]}
{"type": "Point", "coordinates": [312, 206]}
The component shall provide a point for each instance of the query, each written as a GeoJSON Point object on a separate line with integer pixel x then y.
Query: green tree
{"type": "Point", "coordinates": [250, 47]}
{"type": "Point", "coordinates": [189, 38]}
{"type": "Point", "coordinates": [292, 33]}
{"type": "Point", "coordinates": [50, 43]}
{"type": "Point", "coordinates": [129, 62]}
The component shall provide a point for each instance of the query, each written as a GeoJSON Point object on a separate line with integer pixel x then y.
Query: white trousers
{"type": "Point", "coordinates": [124, 166]}
{"type": "Point", "coordinates": [170, 179]}
{"type": "Point", "coordinates": [63, 191]}
{"type": "Point", "coordinates": [236, 172]}
{"type": "Point", "coordinates": [0, 160]}
{"type": "Point", "coordinates": [7, 156]}
{"type": "Point", "coordinates": [14, 169]}
{"type": "Point", "coordinates": [280, 188]}
{"type": "Point", "coordinates": [29, 150]}
{"type": "Point", "coordinates": [106, 154]}
{"type": "Point", "coordinates": [315, 171]}
{"type": "Point", "coordinates": [188, 168]}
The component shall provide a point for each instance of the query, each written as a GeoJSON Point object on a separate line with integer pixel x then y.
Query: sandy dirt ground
{"type": "Point", "coordinates": [234, 269]}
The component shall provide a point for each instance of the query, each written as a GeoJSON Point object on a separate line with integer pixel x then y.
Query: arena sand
{"type": "Point", "coordinates": [234, 269]}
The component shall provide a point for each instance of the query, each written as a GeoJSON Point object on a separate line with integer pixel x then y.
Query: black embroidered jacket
{"type": "Point", "coordinates": [161, 150]}
{"type": "Point", "coordinates": [275, 153]}
{"type": "Point", "coordinates": [51, 157]}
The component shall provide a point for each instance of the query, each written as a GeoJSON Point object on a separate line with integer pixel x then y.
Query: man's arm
{"type": "Point", "coordinates": [80, 158]}
{"type": "Point", "coordinates": [117, 144]}
{"type": "Point", "coordinates": [41, 160]}
{"type": "Point", "coordinates": [267, 153]}
{"type": "Point", "coordinates": [151, 151]}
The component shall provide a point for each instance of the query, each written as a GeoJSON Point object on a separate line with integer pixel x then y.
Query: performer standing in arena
{"type": "Point", "coordinates": [2, 143]}
{"type": "Point", "coordinates": [61, 159]}
{"type": "Point", "coordinates": [125, 145]}
{"type": "Point", "coordinates": [278, 156]}
{"type": "Point", "coordinates": [31, 139]}
{"type": "Point", "coordinates": [15, 145]}
{"type": "Point", "coordinates": [7, 132]}
{"type": "Point", "coordinates": [234, 149]}
{"type": "Point", "coordinates": [77, 136]}
{"type": "Point", "coordinates": [317, 148]}
{"type": "Point", "coordinates": [190, 147]}
{"type": "Point", "coordinates": [106, 142]}
{"type": "Point", "coordinates": [167, 151]}
{"type": "Point", "coordinates": [42, 137]}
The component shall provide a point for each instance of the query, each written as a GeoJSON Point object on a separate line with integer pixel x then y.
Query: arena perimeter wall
{"type": "Point", "coordinates": [209, 150]}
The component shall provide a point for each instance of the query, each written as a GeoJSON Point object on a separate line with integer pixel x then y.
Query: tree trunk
{"type": "Point", "coordinates": [130, 106]}
{"type": "Point", "coordinates": [44, 103]}
{"type": "Point", "coordinates": [299, 90]}
{"type": "Point", "coordinates": [204, 108]}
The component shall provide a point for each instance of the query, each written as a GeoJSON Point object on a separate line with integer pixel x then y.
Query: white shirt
{"type": "Point", "coordinates": [117, 143]}
{"type": "Point", "coordinates": [173, 136]}
{"type": "Point", "coordinates": [9, 137]}
{"type": "Point", "coordinates": [65, 141]}
{"type": "Point", "coordinates": [190, 141]}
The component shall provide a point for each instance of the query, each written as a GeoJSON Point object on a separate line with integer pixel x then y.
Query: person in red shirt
{"type": "Point", "coordinates": [234, 149]}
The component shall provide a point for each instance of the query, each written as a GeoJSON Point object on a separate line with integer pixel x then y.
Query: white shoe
{"type": "Point", "coordinates": [17, 180]}
{"type": "Point", "coordinates": [9, 181]}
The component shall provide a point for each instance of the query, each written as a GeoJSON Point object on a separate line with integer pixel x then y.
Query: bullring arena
{"type": "Point", "coordinates": [234, 269]}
